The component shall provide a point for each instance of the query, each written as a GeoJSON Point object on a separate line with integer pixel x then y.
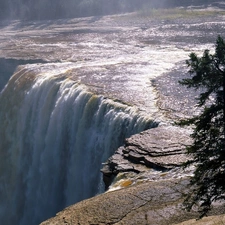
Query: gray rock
{"type": "Point", "coordinates": [162, 148]}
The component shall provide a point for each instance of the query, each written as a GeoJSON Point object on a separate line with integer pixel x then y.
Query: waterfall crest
{"type": "Point", "coordinates": [54, 136]}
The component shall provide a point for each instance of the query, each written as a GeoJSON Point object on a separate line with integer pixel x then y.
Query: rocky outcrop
{"type": "Point", "coordinates": [154, 199]}
{"type": "Point", "coordinates": [161, 148]}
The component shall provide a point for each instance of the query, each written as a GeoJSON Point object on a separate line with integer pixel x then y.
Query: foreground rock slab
{"type": "Point", "coordinates": [147, 203]}
{"type": "Point", "coordinates": [150, 203]}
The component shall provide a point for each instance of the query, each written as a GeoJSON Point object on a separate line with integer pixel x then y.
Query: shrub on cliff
{"type": "Point", "coordinates": [208, 148]}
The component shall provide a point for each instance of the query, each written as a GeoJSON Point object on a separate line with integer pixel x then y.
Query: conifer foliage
{"type": "Point", "coordinates": [208, 148]}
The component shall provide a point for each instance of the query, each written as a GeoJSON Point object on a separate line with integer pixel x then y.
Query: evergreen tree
{"type": "Point", "coordinates": [208, 148]}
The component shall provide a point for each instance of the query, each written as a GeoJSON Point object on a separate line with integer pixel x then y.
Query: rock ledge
{"type": "Point", "coordinates": [161, 148]}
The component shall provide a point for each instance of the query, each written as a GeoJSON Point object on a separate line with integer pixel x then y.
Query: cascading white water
{"type": "Point", "coordinates": [54, 136]}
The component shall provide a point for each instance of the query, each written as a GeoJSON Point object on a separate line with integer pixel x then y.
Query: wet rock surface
{"type": "Point", "coordinates": [174, 100]}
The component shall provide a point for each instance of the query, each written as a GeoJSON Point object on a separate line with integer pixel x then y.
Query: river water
{"type": "Point", "coordinates": [84, 86]}
{"type": "Point", "coordinates": [117, 56]}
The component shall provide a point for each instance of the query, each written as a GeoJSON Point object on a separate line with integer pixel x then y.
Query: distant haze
{"type": "Point", "coordinates": [55, 9]}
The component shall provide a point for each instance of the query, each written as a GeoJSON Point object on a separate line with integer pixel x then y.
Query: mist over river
{"type": "Point", "coordinates": [72, 90]}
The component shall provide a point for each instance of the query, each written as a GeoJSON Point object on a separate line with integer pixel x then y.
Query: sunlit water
{"type": "Point", "coordinates": [117, 56]}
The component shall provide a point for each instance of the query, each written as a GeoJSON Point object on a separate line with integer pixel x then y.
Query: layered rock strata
{"type": "Point", "coordinates": [161, 149]}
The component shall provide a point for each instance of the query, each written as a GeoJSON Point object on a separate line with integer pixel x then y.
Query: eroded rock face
{"type": "Point", "coordinates": [162, 148]}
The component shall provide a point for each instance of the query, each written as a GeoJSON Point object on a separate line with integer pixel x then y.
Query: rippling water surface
{"type": "Point", "coordinates": [117, 56]}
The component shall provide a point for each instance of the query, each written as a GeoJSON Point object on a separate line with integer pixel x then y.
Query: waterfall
{"type": "Point", "coordinates": [54, 136]}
